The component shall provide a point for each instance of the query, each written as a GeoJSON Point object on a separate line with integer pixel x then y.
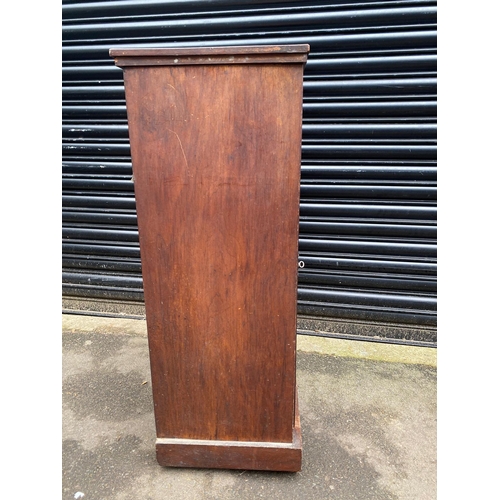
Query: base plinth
{"type": "Point", "coordinates": [246, 455]}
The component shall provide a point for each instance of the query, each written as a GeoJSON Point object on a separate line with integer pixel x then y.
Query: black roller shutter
{"type": "Point", "coordinates": [368, 191]}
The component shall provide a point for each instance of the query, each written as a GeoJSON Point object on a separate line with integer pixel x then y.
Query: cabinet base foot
{"type": "Point", "coordinates": [246, 455]}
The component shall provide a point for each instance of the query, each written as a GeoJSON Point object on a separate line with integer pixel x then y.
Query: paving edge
{"type": "Point", "coordinates": [377, 351]}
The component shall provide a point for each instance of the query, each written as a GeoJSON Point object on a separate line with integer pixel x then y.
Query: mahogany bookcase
{"type": "Point", "coordinates": [215, 136]}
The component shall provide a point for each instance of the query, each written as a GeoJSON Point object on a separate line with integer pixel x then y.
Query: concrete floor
{"type": "Point", "coordinates": [368, 424]}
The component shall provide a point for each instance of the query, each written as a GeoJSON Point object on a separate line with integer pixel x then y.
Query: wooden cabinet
{"type": "Point", "coordinates": [215, 137]}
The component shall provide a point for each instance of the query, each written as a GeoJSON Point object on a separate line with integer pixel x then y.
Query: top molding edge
{"type": "Point", "coordinates": [173, 56]}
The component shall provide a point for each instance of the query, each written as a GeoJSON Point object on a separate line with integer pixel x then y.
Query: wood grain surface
{"type": "Point", "coordinates": [216, 162]}
{"type": "Point", "coordinates": [210, 55]}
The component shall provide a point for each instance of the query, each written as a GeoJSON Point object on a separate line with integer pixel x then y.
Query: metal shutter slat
{"type": "Point", "coordinates": [368, 214]}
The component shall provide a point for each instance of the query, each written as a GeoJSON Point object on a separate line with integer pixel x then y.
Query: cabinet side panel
{"type": "Point", "coordinates": [216, 160]}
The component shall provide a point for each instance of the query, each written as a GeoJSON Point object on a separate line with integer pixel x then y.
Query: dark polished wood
{"type": "Point", "coordinates": [216, 159]}
{"type": "Point", "coordinates": [283, 457]}
{"type": "Point", "coordinates": [271, 54]}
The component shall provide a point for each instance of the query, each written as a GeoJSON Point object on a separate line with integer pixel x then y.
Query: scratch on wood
{"type": "Point", "coordinates": [180, 144]}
